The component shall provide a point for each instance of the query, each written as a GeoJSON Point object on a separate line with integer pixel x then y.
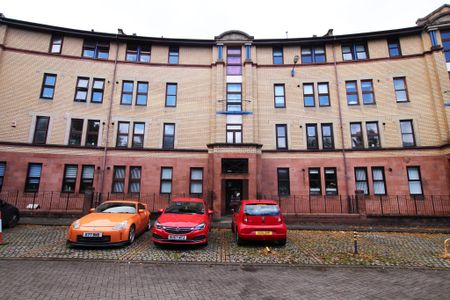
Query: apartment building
{"type": "Point", "coordinates": [228, 118]}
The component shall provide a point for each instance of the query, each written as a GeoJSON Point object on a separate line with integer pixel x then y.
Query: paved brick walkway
{"type": "Point", "coordinates": [303, 248]}
{"type": "Point", "coordinates": [28, 279]}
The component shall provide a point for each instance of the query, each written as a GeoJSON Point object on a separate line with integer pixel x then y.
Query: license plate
{"type": "Point", "coordinates": [177, 237]}
{"type": "Point", "coordinates": [263, 232]}
{"type": "Point", "coordinates": [92, 234]}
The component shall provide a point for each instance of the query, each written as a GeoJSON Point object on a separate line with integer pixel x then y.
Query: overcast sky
{"type": "Point", "coordinates": [206, 19]}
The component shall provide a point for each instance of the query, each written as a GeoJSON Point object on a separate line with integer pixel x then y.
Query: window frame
{"type": "Point", "coordinates": [173, 55]}
{"type": "Point", "coordinates": [327, 181]}
{"type": "Point", "coordinates": [277, 53]}
{"type": "Point", "coordinates": [348, 93]}
{"type": "Point", "coordinates": [414, 180]}
{"type": "Point", "coordinates": [374, 168]}
{"type": "Point", "coordinates": [175, 84]}
{"type": "Point", "coordinates": [354, 135]}
{"type": "Point", "coordinates": [319, 94]}
{"type": "Point", "coordinates": [371, 91]}
{"type": "Point", "coordinates": [132, 180]}
{"type": "Point", "coordinates": [36, 130]}
{"type": "Point", "coordinates": [115, 179]}
{"type": "Point", "coordinates": [317, 180]}
{"type": "Point", "coordinates": [2, 175]}
{"type": "Point", "coordinates": [140, 51]}
{"type": "Point", "coordinates": [283, 181]}
{"type": "Point", "coordinates": [195, 181]}
{"type": "Point", "coordinates": [81, 89]}
{"type": "Point", "coordinates": [354, 52]}
{"type": "Point", "coordinates": [27, 180]}
{"type": "Point", "coordinates": [394, 41]}
{"type": "Point", "coordinates": [164, 144]}
{"type": "Point", "coordinates": [231, 64]}
{"type": "Point", "coordinates": [313, 95]}
{"type": "Point", "coordinates": [285, 136]}
{"type": "Point", "coordinates": [412, 133]}
{"type": "Point", "coordinates": [233, 132]}
{"type": "Point", "coordinates": [97, 90]}
{"type": "Point", "coordinates": [403, 78]}
{"type": "Point", "coordinates": [275, 96]}
{"type": "Point", "coordinates": [165, 180]}
{"type": "Point", "coordinates": [127, 93]}
{"type": "Point", "coordinates": [77, 133]}
{"type": "Point", "coordinates": [312, 55]}
{"type": "Point", "coordinates": [52, 43]}
{"type": "Point", "coordinates": [234, 102]}
{"type": "Point", "coordinates": [138, 93]}
{"type": "Point", "coordinates": [83, 180]}
{"type": "Point", "coordinates": [92, 133]}
{"type": "Point", "coordinates": [47, 86]}
{"type": "Point", "coordinates": [372, 135]}
{"type": "Point", "coordinates": [309, 137]}
{"type": "Point", "coordinates": [322, 125]}
{"type": "Point", "coordinates": [134, 134]}
{"type": "Point", "coordinates": [66, 179]}
{"type": "Point", "coordinates": [365, 181]}
{"type": "Point", "coordinates": [97, 46]}
{"type": "Point", "coordinates": [123, 134]}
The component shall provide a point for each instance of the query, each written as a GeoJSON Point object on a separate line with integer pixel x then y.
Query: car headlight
{"type": "Point", "coordinates": [158, 225]}
{"type": "Point", "coordinates": [76, 224]}
{"type": "Point", "coordinates": [121, 225]}
{"type": "Point", "coordinates": [200, 226]}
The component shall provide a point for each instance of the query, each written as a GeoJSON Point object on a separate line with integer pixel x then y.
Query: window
{"type": "Point", "coordinates": [171, 94]}
{"type": "Point", "coordinates": [401, 91]}
{"type": "Point", "coordinates": [56, 44]}
{"type": "Point", "coordinates": [407, 130]}
{"type": "Point", "coordinates": [433, 38]}
{"type": "Point", "coordinates": [87, 178]}
{"type": "Point", "coordinates": [352, 93]}
{"type": "Point", "coordinates": [279, 95]}
{"type": "Point", "coordinates": [138, 135]}
{"type": "Point", "coordinates": [81, 90]}
{"type": "Point", "coordinates": [48, 86]}
{"type": "Point", "coordinates": [234, 165]}
{"type": "Point", "coordinates": [327, 136]}
{"type": "Point", "coordinates": [331, 187]}
{"type": "Point", "coordinates": [174, 55]}
{"type": "Point", "coordinates": [281, 132]}
{"type": "Point", "coordinates": [41, 129]}
{"type": "Point", "coordinates": [234, 133]}
{"type": "Point", "coordinates": [234, 61]}
{"type": "Point", "coordinates": [98, 86]}
{"type": "Point", "coordinates": [169, 136]}
{"type": "Point", "coordinates": [283, 182]}
{"type": "Point", "coordinates": [196, 181]}
{"type": "Point", "coordinates": [92, 133]}
{"type": "Point", "coordinates": [96, 49]}
{"type": "Point", "coordinates": [118, 179]}
{"type": "Point", "coordinates": [313, 55]}
{"type": "Point", "coordinates": [315, 185]}
{"type": "Point", "coordinates": [367, 92]}
{"type": "Point", "coordinates": [2, 174]}
{"type": "Point", "coordinates": [139, 53]}
{"type": "Point", "coordinates": [312, 141]}
{"type": "Point", "coordinates": [33, 178]}
{"type": "Point", "coordinates": [166, 180]}
{"type": "Point", "coordinates": [127, 92]}
{"type": "Point", "coordinates": [394, 48]}
{"type": "Point", "coordinates": [445, 37]}
{"type": "Point", "coordinates": [142, 93]}
{"type": "Point", "coordinates": [361, 180]}
{"type": "Point", "coordinates": [277, 55]}
{"type": "Point", "coordinates": [379, 183]}
{"type": "Point", "coordinates": [356, 51]}
{"type": "Point", "coordinates": [324, 94]}
{"type": "Point", "coordinates": [135, 180]}
{"type": "Point", "coordinates": [356, 135]}
{"type": "Point", "coordinates": [122, 134]}
{"type": "Point", "coordinates": [234, 97]}
{"type": "Point", "coordinates": [76, 130]}
{"type": "Point", "coordinates": [414, 181]}
{"type": "Point", "coordinates": [70, 178]}
{"type": "Point", "coordinates": [373, 136]}
{"type": "Point", "coordinates": [308, 95]}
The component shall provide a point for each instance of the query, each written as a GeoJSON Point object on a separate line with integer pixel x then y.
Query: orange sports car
{"type": "Point", "coordinates": [113, 223]}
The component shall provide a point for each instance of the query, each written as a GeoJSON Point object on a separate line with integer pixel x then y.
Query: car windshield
{"type": "Point", "coordinates": [179, 207]}
{"type": "Point", "coordinates": [117, 208]}
{"type": "Point", "coordinates": [262, 210]}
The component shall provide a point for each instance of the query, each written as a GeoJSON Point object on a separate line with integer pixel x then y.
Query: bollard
{"type": "Point", "coordinates": [447, 248]}
{"type": "Point", "coordinates": [355, 242]}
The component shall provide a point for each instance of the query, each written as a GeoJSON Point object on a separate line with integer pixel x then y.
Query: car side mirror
{"type": "Point", "coordinates": [210, 212]}
{"type": "Point", "coordinates": [161, 210]}
{"type": "Point", "coordinates": [141, 211]}
{"type": "Point", "coordinates": [92, 210]}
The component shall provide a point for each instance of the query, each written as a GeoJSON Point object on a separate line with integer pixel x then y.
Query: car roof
{"type": "Point", "coordinates": [122, 201]}
{"type": "Point", "coordinates": [187, 200]}
{"type": "Point", "coordinates": [262, 201]}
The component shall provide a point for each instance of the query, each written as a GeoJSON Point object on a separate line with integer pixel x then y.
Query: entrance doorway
{"type": "Point", "coordinates": [233, 194]}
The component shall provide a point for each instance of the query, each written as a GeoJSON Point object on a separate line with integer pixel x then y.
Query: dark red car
{"type": "Point", "coordinates": [259, 220]}
{"type": "Point", "coordinates": [185, 221]}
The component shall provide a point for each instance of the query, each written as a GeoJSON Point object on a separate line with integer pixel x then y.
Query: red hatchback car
{"type": "Point", "coordinates": [185, 221]}
{"type": "Point", "coordinates": [259, 220]}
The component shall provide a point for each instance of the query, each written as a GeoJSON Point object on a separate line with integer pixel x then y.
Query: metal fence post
{"type": "Point", "coordinates": [51, 200]}
{"type": "Point", "coordinates": [415, 204]}
{"type": "Point", "coordinates": [398, 205]}
{"type": "Point", "coordinates": [67, 201]}
{"type": "Point", "coordinates": [382, 210]}
{"type": "Point", "coordinates": [432, 205]}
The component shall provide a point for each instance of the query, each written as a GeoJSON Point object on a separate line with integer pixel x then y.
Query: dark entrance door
{"type": "Point", "coordinates": [233, 194]}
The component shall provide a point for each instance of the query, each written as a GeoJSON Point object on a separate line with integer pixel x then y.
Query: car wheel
{"type": "Point", "coordinates": [13, 221]}
{"type": "Point", "coordinates": [239, 241]}
{"type": "Point", "coordinates": [281, 242]}
{"type": "Point", "coordinates": [131, 235]}
{"type": "Point", "coordinates": [232, 227]}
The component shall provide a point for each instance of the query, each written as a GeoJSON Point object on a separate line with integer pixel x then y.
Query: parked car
{"type": "Point", "coordinates": [113, 223]}
{"type": "Point", "coordinates": [259, 220]}
{"type": "Point", "coordinates": [184, 221]}
{"type": "Point", "coordinates": [10, 214]}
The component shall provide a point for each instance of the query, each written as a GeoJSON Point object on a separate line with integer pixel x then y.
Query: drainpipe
{"type": "Point", "coordinates": [344, 157]}
{"type": "Point", "coordinates": [108, 121]}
